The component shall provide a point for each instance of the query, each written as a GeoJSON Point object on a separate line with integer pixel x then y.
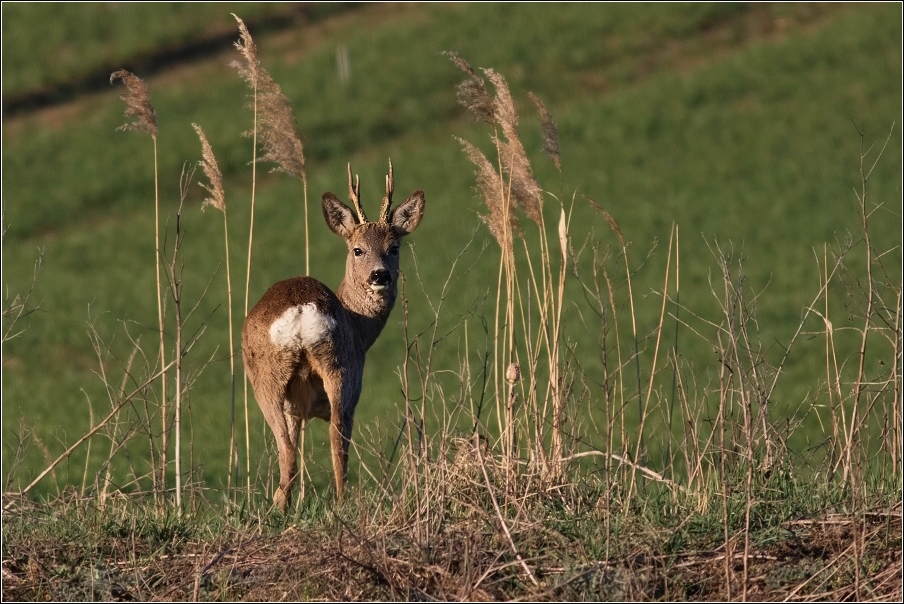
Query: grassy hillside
{"type": "Point", "coordinates": [739, 124]}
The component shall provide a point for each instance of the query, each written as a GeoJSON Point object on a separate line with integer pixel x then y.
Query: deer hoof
{"type": "Point", "coordinates": [281, 500]}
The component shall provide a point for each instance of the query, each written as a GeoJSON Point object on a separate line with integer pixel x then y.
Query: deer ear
{"type": "Point", "coordinates": [406, 217]}
{"type": "Point", "coordinates": [338, 216]}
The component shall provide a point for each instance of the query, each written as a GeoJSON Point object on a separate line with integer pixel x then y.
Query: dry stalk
{"type": "Point", "coordinates": [217, 199]}
{"type": "Point", "coordinates": [250, 70]}
{"type": "Point", "coordinates": [853, 430]}
{"type": "Point", "coordinates": [138, 105]}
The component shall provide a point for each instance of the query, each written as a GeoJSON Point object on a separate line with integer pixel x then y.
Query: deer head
{"type": "Point", "coordinates": [372, 265]}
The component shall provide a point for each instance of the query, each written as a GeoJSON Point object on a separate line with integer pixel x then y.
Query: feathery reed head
{"type": "Point", "coordinates": [138, 103]}
{"type": "Point", "coordinates": [499, 112]}
{"type": "Point", "coordinates": [472, 93]}
{"type": "Point", "coordinates": [548, 131]}
{"type": "Point", "coordinates": [610, 220]}
{"type": "Point", "coordinates": [501, 220]}
{"type": "Point", "coordinates": [525, 191]}
{"type": "Point", "coordinates": [217, 197]}
{"type": "Point", "coordinates": [251, 68]}
{"type": "Point", "coordinates": [278, 133]}
{"type": "Point", "coordinates": [277, 128]}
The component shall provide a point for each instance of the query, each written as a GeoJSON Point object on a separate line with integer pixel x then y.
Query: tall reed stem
{"type": "Point", "coordinates": [231, 352]}
{"type": "Point", "coordinates": [248, 288]}
{"type": "Point", "coordinates": [163, 417]}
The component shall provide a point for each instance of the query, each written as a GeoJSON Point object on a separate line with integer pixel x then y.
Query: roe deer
{"type": "Point", "coordinates": [304, 346]}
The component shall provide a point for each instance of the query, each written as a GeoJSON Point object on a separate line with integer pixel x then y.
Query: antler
{"type": "Point", "coordinates": [354, 194]}
{"type": "Point", "coordinates": [387, 201]}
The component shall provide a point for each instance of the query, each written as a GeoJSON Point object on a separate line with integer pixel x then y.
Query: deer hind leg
{"type": "Point", "coordinates": [295, 410]}
{"type": "Point", "coordinates": [285, 429]}
{"type": "Point", "coordinates": [343, 397]}
{"type": "Point", "coordinates": [287, 445]}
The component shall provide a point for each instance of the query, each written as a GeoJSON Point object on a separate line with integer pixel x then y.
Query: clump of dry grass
{"type": "Point", "coordinates": [505, 186]}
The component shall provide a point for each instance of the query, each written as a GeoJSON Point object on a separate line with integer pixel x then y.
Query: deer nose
{"type": "Point", "coordinates": [380, 276]}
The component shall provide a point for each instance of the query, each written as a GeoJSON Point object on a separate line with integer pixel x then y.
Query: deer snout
{"type": "Point", "coordinates": [380, 278]}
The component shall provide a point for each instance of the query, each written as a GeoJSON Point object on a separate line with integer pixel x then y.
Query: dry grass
{"type": "Point", "coordinates": [73, 552]}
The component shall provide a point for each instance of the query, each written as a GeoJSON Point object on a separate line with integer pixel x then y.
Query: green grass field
{"type": "Point", "coordinates": [737, 123]}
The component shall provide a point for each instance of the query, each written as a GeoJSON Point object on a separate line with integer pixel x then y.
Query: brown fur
{"type": "Point", "coordinates": [296, 379]}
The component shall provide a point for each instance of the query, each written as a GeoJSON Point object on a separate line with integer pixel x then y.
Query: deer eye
{"type": "Point", "coordinates": [394, 250]}
{"type": "Point", "coordinates": [358, 252]}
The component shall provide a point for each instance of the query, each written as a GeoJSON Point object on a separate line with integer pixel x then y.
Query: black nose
{"type": "Point", "coordinates": [380, 276]}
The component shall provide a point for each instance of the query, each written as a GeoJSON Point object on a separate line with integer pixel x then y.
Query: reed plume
{"type": "Point", "coordinates": [502, 222]}
{"type": "Point", "coordinates": [277, 126]}
{"type": "Point", "coordinates": [472, 93]}
{"type": "Point", "coordinates": [138, 105]}
{"type": "Point", "coordinates": [548, 131]}
{"type": "Point", "coordinates": [211, 170]}
{"type": "Point", "coordinates": [500, 113]}
{"type": "Point", "coordinates": [525, 191]}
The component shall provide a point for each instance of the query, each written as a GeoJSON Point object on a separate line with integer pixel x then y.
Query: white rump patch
{"type": "Point", "coordinates": [301, 326]}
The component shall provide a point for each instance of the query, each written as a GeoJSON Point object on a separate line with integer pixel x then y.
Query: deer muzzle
{"type": "Point", "coordinates": [379, 279]}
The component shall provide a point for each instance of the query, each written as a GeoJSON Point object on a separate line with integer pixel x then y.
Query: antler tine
{"type": "Point", "coordinates": [387, 201]}
{"type": "Point", "coordinates": [354, 194]}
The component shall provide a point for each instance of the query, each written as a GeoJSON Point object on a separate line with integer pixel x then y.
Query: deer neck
{"type": "Point", "coordinates": [367, 311]}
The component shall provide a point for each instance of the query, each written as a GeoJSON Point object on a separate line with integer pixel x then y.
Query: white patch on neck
{"type": "Point", "coordinates": [301, 327]}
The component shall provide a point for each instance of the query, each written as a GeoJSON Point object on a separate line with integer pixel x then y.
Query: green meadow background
{"type": "Point", "coordinates": [739, 123]}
